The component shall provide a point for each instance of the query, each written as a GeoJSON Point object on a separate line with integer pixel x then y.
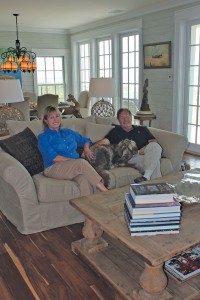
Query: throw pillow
{"type": "Point", "coordinates": [15, 127]}
{"type": "Point", "coordinates": [23, 147]}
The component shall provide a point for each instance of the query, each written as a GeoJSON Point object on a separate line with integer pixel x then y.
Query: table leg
{"type": "Point", "coordinates": [153, 282]}
{"type": "Point", "coordinates": [93, 241]}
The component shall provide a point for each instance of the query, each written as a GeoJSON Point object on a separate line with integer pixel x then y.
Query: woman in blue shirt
{"type": "Point", "coordinates": [58, 147]}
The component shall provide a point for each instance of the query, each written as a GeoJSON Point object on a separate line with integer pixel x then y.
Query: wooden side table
{"type": "Point", "coordinates": [145, 117]}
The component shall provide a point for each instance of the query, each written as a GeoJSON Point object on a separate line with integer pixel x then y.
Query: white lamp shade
{"type": "Point", "coordinates": [10, 91]}
{"type": "Point", "coordinates": [102, 87]}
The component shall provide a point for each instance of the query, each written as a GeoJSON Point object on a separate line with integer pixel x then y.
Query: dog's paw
{"type": "Point", "coordinates": [135, 166]}
{"type": "Point", "coordinates": [106, 178]}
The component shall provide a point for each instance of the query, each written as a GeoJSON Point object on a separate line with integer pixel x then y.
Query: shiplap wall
{"type": "Point", "coordinates": [159, 27]}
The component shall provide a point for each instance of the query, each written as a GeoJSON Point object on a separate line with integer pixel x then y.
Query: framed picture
{"type": "Point", "coordinates": [157, 55]}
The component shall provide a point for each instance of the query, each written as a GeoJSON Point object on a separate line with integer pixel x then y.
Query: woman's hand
{"type": "Point", "coordinates": [87, 153]}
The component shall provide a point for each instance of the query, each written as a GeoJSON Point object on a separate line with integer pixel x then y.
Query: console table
{"type": "Point", "coordinates": [134, 265]}
{"type": "Point", "coordinates": [144, 117]}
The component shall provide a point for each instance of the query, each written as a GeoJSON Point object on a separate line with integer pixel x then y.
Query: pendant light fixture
{"type": "Point", "coordinates": [17, 57]}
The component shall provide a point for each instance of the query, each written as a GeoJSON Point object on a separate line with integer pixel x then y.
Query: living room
{"type": "Point", "coordinates": [42, 265]}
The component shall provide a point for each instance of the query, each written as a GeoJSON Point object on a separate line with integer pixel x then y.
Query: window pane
{"type": "Point", "coordinates": [131, 43]}
{"type": "Point", "coordinates": [193, 93]}
{"type": "Point", "coordinates": [192, 114]}
{"type": "Point", "coordinates": [58, 77]}
{"type": "Point", "coordinates": [49, 63]}
{"type": "Point", "coordinates": [41, 77]}
{"type": "Point", "coordinates": [195, 33]}
{"type": "Point", "coordinates": [125, 44]}
{"type": "Point", "coordinates": [40, 63]}
{"type": "Point", "coordinates": [58, 63]}
{"type": "Point", "coordinates": [194, 75]}
{"type": "Point", "coordinates": [191, 133]}
{"type": "Point", "coordinates": [125, 60]}
{"type": "Point", "coordinates": [131, 60]}
{"type": "Point", "coordinates": [194, 55]}
{"type": "Point", "coordinates": [125, 91]}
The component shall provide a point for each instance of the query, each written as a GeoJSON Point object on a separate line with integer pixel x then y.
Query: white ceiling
{"type": "Point", "coordinates": [39, 15]}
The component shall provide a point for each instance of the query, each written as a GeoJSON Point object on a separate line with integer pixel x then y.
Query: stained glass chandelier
{"type": "Point", "coordinates": [17, 57]}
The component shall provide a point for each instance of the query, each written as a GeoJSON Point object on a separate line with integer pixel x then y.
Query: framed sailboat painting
{"type": "Point", "coordinates": [157, 55]}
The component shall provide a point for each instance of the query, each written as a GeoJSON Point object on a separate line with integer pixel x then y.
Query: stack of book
{"type": "Point", "coordinates": [151, 209]}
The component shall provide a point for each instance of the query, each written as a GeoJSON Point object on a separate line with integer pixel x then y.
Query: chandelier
{"type": "Point", "coordinates": [15, 58]}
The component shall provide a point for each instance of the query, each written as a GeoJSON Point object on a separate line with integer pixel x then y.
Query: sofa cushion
{"type": "Point", "coordinates": [23, 147]}
{"type": "Point", "coordinates": [75, 124]}
{"type": "Point", "coordinates": [107, 120]}
{"type": "Point", "coordinates": [50, 190]}
{"type": "Point", "coordinates": [15, 127]}
{"type": "Point", "coordinates": [96, 132]}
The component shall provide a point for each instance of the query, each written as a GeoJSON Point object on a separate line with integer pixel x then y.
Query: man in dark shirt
{"type": "Point", "coordinates": [149, 153]}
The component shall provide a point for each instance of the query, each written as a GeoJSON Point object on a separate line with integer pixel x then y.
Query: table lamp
{"type": "Point", "coordinates": [102, 87]}
{"type": "Point", "coordinates": [10, 92]}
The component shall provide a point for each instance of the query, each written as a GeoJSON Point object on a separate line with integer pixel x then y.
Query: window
{"type": "Point", "coordinates": [186, 97]}
{"type": "Point", "coordinates": [50, 76]}
{"type": "Point", "coordinates": [130, 71]}
{"type": "Point", "coordinates": [84, 62]}
{"type": "Point", "coordinates": [193, 104]}
{"type": "Point", "coordinates": [105, 58]}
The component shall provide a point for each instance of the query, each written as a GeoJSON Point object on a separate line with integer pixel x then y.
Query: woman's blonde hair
{"type": "Point", "coordinates": [47, 111]}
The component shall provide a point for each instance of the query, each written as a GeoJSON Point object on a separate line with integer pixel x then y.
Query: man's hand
{"type": "Point", "coordinates": [103, 142]}
{"type": "Point", "coordinates": [141, 151]}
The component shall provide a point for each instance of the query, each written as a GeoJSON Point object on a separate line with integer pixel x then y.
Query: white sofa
{"type": "Point", "coordinates": [37, 203]}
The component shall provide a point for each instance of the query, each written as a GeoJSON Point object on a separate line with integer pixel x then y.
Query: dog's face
{"type": "Point", "coordinates": [128, 149]}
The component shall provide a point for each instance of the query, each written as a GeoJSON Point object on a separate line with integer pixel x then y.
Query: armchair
{"type": "Point", "coordinates": [84, 101]}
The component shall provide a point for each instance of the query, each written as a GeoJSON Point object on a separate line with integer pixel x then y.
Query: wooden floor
{"type": "Point", "coordinates": [42, 265]}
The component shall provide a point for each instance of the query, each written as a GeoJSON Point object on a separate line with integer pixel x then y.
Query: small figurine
{"type": "Point", "coordinates": [145, 105]}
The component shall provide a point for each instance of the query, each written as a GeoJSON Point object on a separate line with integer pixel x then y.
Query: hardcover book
{"type": "Point", "coordinates": [184, 265]}
{"type": "Point", "coordinates": [134, 208]}
{"type": "Point", "coordinates": [160, 220]}
{"type": "Point", "coordinates": [152, 193]}
{"type": "Point", "coordinates": [150, 232]}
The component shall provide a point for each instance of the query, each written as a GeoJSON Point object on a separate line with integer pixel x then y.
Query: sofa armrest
{"type": "Point", "coordinates": [173, 146]}
{"type": "Point", "coordinates": [17, 177]}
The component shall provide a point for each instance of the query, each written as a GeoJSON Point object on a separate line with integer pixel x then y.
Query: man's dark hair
{"type": "Point", "coordinates": [122, 110]}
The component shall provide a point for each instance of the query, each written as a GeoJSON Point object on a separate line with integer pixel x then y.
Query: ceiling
{"type": "Point", "coordinates": [39, 15]}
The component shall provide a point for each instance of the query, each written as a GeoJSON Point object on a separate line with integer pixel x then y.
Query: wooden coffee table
{"type": "Point", "coordinates": [134, 265]}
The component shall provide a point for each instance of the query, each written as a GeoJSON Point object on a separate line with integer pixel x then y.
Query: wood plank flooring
{"type": "Point", "coordinates": [42, 266]}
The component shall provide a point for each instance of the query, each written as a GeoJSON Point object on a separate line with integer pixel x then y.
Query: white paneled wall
{"type": "Point", "coordinates": [159, 27]}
